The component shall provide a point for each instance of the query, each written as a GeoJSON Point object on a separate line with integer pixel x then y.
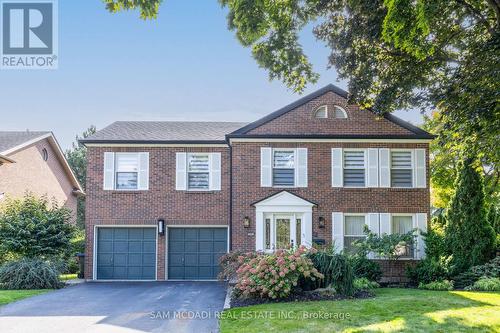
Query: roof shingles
{"type": "Point", "coordinates": [163, 131]}
{"type": "Point", "coordinates": [11, 139]}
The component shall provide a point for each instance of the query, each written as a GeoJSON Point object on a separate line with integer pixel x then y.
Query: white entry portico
{"type": "Point", "coordinates": [282, 220]}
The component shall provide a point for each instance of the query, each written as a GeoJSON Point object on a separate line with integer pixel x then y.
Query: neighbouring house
{"type": "Point", "coordinates": [166, 199]}
{"type": "Point", "coordinates": [33, 162]}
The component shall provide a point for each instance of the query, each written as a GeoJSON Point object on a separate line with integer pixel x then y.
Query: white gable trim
{"type": "Point", "coordinates": [282, 200]}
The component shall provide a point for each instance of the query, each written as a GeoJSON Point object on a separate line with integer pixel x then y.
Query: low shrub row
{"type": "Point", "coordinates": [31, 273]}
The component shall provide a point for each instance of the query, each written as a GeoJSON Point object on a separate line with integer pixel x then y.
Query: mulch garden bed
{"type": "Point", "coordinates": [300, 296]}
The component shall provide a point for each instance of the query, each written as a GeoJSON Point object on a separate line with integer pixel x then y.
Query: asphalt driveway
{"type": "Point", "coordinates": [119, 307]}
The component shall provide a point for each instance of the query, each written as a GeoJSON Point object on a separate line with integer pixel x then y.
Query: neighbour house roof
{"type": "Point", "coordinates": [141, 132]}
{"type": "Point", "coordinates": [418, 133]}
{"type": "Point", "coordinates": [13, 141]}
{"type": "Point", "coordinates": [5, 160]}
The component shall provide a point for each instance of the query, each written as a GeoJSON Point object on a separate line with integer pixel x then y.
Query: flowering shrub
{"type": "Point", "coordinates": [230, 262]}
{"type": "Point", "coordinates": [274, 275]}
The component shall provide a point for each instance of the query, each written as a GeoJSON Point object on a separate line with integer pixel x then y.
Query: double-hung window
{"type": "Point", "coordinates": [126, 171]}
{"type": "Point", "coordinates": [284, 168]}
{"type": "Point", "coordinates": [353, 231]}
{"type": "Point", "coordinates": [354, 168]}
{"type": "Point", "coordinates": [401, 169]}
{"type": "Point", "coordinates": [198, 172]}
{"type": "Point", "coordinates": [402, 224]}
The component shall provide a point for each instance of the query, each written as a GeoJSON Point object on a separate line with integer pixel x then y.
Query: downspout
{"type": "Point", "coordinates": [230, 194]}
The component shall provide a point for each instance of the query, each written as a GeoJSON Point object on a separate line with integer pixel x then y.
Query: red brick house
{"type": "Point", "coordinates": [166, 199]}
{"type": "Point", "coordinates": [32, 161]}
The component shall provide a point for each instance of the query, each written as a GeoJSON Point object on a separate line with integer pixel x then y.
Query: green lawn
{"type": "Point", "coordinates": [9, 296]}
{"type": "Point", "coordinates": [392, 310]}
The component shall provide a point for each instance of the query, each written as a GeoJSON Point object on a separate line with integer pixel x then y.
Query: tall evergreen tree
{"type": "Point", "coordinates": [469, 236]}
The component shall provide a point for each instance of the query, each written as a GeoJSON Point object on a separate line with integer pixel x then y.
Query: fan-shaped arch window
{"type": "Point", "coordinates": [321, 112]}
{"type": "Point", "coordinates": [339, 112]}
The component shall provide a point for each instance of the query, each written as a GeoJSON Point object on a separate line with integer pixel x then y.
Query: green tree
{"type": "Point", "coordinates": [34, 227]}
{"type": "Point", "coordinates": [77, 159]}
{"type": "Point", "coordinates": [469, 237]}
{"type": "Point", "coordinates": [396, 54]}
{"type": "Point", "coordinates": [446, 153]}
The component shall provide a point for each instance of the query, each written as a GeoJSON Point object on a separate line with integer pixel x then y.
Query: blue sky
{"type": "Point", "coordinates": [185, 65]}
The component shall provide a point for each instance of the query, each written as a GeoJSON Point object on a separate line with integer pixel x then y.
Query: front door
{"type": "Point", "coordinates": [282, 231]}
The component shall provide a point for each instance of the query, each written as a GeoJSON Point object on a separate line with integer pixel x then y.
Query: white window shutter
{"type": "Point", "coordinates": [143, 179]}
{"type": "Point", "coordinates": [337, 170]}
{"type": "Point", "coordinates": [373, 223]}
{"type": "Point", "coordinates": [266, 170]}
{"type": "Point", "coordinates": [338, 231]}
{"type": "Point", "coordinates": [301, 169]}
{"type": "Point", "coordinates": [420, 169]}
{"type": "Point", "coordinates": [259, 231]}
{"type": "Point", "coordinates": [306, 227]}
{"type": "Point", "coordinates": [109, 171]}
{"type": "Point", "coordinates": [385, 223]}
{"type": "Point", "coordinates": [215, 171]}
{"type": "Point", "coordinates": [385, 167]}
{"type": "Point", "coordinates": [180, 172]}
{"type": "Point", "coordinates": [374, 226]}
{"type": "Point", "coordinates": [421, 224]}
{"type": "Point", "coordinates": [372, 167]}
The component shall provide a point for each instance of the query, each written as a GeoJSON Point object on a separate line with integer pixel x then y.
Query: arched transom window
{"type": "Point", "coordinates": [339, 112]}
{"type": "Point", "coordinates": [321, 112]}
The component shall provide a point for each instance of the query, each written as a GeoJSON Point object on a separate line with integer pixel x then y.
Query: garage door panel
{"type": "Point", "coordinates": [191, 259]}
{"type": "Point", "coordinates": [205, 259]}
{"type": "Point", "coordinates": [105, 233]}
{"type": "Point", "coordinates": [135, 246]}
{"type": "Point", "coordinates": [206, 234]}
{"type": "Point", "coordinates": [206, 246]}
{"type": "Point", "coordinates": [149, 247]}
{"type": "Point", "coordinates": [220, 234]}
{"type": "Point", "coordinates": [191, 246]}
{"type": "Point", "coordinates": [135, 234]}
{"type": "Point", "coordinates": [126, 253]}
{"type": "Point", "coordinates": [176, 272]}
{"type": "Point", "coordinates": [220, 247]}
{"type": "Point", "coordinates": [135, 259]}
{"type": "Point", "coordinates": [191, 272]}
{"type": "Point", "coordinates": [200, 251]}
{"type": "Point", "coordinates": [206, 272]}
{"type": "Point", "coordinates": [176, 246]}
{"type": "Point", "coordinates": [148, 259]}
{"type": "Point", "coordinates": [191, 234]}
{"type": "Point", "coordinates": [120, 246]}
{"type": "Point", "coordinates": [120, 259]}
{"type": "Point", "coordinates": [121, 233]}
{"type": "Point", "coordinates": [105, 259]}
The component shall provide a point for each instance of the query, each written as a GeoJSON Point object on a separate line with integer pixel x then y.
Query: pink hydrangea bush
{"type": "Point", "coordinates": [274, 275]}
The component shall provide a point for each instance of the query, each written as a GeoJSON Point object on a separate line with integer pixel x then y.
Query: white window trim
{"type": "Point", "coordinates": [188, 172]}
{"type": "Point", "coordinates": [412, 154]}
{"type": "Point", "coordinates": [115, 171]}
{"type": "Point", "coordinates": [413, 257]}
{"type": "Point", "coordinates": [320, 108]}
{"type": "Point", "coordinates": [294, 151]}
{"type": "Point", "coordinates": [365, 166]}
{"type": "Point", "coordinates": [344, 215]}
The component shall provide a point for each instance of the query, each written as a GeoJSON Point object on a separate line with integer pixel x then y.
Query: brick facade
{"type": "Point", "coordinates": [160, 201]}
{"type": "Point", "coordinates": [214, 208]}
{"type": "Point", "coordinates": [43, 178]}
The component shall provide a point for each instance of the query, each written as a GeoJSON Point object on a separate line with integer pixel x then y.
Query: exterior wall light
{"type": "Point", "coordinates": [161, 227]}
{"type": "Point", "coordinates": [321, 222]}
{"type": "Point", "coordinates": [246, 222]}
